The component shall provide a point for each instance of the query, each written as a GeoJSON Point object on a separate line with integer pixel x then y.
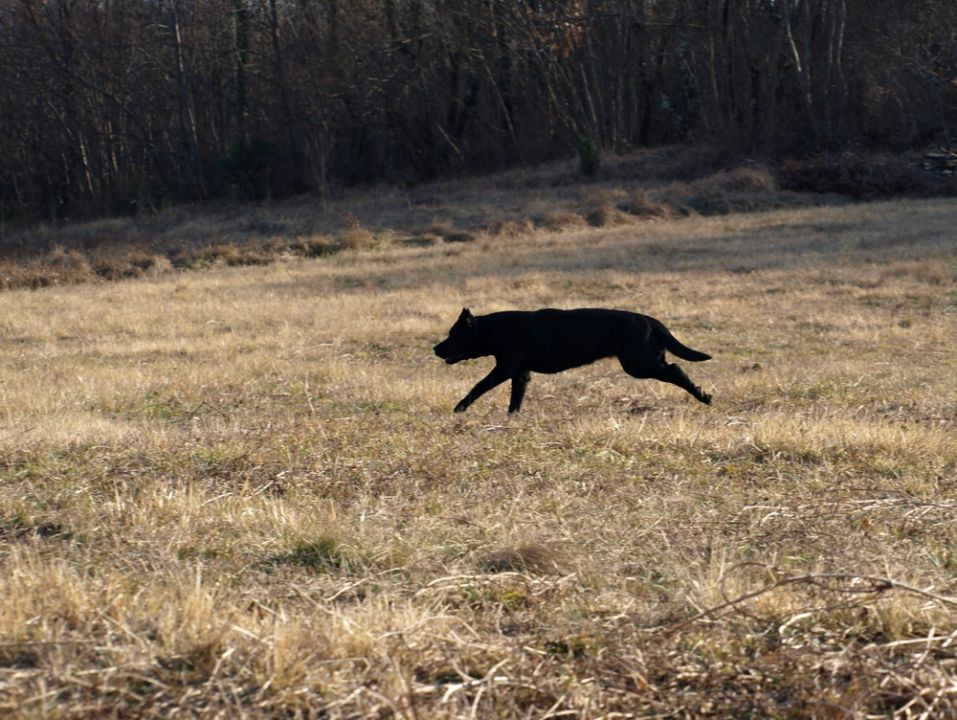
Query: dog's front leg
{"type": "Point", "coordinates": [496, 377]}
{"type": "Point", "coordinates": [519, 383]}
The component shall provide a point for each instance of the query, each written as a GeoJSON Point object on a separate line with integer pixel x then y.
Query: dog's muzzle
{"type": "Point", "coordinates": [449, 359]}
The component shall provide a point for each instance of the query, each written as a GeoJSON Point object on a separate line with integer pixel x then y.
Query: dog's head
{"type": "Point", "coordinates": [463, 342]}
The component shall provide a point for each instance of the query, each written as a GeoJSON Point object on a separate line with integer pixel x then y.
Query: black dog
{"type": "Point", "coordinates": [549, 341]}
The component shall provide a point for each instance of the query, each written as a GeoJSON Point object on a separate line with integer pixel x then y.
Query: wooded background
{"type": "Point", "coordinates": [114, 106]}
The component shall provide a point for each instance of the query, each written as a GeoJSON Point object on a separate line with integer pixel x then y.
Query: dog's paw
{"type": "Point", "coordinates": [460, 407]}
{"type": "Point", "coordinates": [705, 398]}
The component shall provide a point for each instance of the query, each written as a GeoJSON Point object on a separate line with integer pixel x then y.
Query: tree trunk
{"type": "Point", "coordinates": [187, 115]}
{"type": "Point", "coordinates": [242, 58]}
{"type": "Point", "coordinates": [292, 142]}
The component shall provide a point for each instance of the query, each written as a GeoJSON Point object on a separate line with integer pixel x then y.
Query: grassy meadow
{"type": "Point", "coordinates": [241, 491]}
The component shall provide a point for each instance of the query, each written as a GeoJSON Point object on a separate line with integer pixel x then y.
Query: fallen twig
{"type": "Point", "coordinates": [877, 585]}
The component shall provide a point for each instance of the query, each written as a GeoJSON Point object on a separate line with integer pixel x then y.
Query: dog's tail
{"type": "Point", "coordinates": [676, 348]}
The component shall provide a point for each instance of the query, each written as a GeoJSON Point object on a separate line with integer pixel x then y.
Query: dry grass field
{"type": "Point", "coordinates": [242, 491]}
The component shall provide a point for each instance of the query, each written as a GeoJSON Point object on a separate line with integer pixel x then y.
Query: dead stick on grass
{"type": "Point", "coordinates": [878, 584]}
{"type": "Point", "coordinates": [353, 585]}
{"type": "Point", "coordinates": [16, 644]}
{"type": "Point", "coordinates": [17, 434]}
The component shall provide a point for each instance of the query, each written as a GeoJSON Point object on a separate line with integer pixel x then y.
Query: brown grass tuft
{"type": "Point", "coordinates": [64, 267]}
{"type": "Point", "coordinates": [447, 232]}
{"type": "Point", "coordinates": [226, 253]}
{"type": "Point", "coordinates": [642, 204]}
{"type": "Point", "coordinates": [562, 221]}
{"type": "Point", "coordinates": [356, 238]}
{"type": "Point", "coordinates": [313, 245]}
{"type": "Point", "coordinates": [441, 229]}
{"type": "Point", "coordinates": [746, 178]}
{"type": "Point", "coordinates": [509, 229]}
{"type": "Point", "coordinates": [744, 189]}
{"type": "Point", "coordinates": [529, 557]}
{"type": "Point", "coordinates": [57, 267]}
{"type": "Point", "coordinates": [119, 263]}
{"type": "Point", "coordinates": [608, 215]}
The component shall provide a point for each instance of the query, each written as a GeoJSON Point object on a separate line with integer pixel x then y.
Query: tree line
{"type": "Point", "coordinates": [119, 105]}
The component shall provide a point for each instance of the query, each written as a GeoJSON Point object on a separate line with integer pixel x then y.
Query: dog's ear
{"type": "Point", "coordinates": [466, 317]}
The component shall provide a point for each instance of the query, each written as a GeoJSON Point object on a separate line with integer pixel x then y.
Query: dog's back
{"type": "Point", "coordinates": [549, 340]}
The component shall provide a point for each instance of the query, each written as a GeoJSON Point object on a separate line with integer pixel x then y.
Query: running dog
{"type": "Point", "coordinates": [549, 341]}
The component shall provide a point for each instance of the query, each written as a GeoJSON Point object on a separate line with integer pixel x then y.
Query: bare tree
{"type": "Point", "coordinates": [187, 115]}
{"type": "Point", "coordinates": [113, 106]}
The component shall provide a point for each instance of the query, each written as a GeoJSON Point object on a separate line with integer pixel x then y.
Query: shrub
{"type": "Point", "coordinates": [589, 156]}
{"type": "Point", "coordinates": [863, 177]}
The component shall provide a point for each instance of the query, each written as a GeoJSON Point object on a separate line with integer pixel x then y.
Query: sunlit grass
{"type": "Point", "coordinates": [242, 490]}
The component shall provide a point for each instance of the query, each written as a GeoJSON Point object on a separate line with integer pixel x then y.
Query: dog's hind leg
{"type": "Point", "coordinates": [673, 374]}
{"type": "Point", "coordinates": [656, 368]}
{"type": "Point", "coordinates": [519, 383]}
{"type": "Point", "coordinates": [494, 378]}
